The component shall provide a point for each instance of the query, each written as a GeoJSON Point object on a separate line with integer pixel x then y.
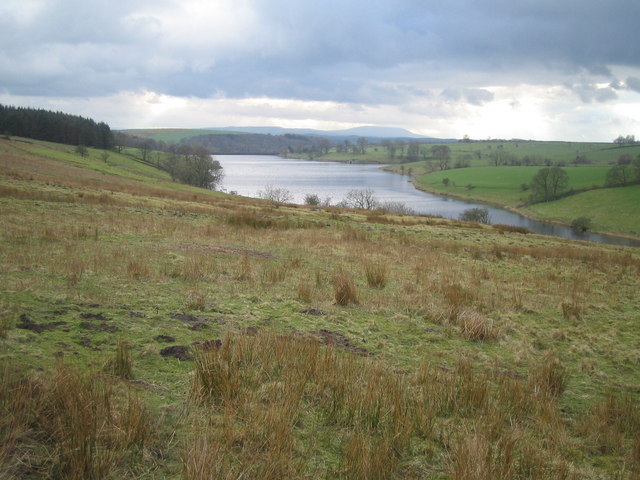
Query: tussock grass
{"type": "Point", "coordinates": [68, 425]}
{"type": "Point", "coordinates": [344, 289]}
{"type": "Point", "coordinates": [121, 365]}
{"type": "Point", "coordinates": [475, 326]}
{"type": "Point", "coordinates": [376, 273]}
{"type": "Point", "coordinates": [449, 361]}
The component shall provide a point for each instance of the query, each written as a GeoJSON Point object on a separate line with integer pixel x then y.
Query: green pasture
{"type": "Point", "coordinates": [614, 210]}
{"type": "Point", "coordinates": [479, 154]}
{"type": "Point", "coordinates": [501, 185]}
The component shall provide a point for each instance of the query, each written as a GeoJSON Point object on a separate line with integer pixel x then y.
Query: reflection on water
{"type": "Point", "coordinates": [248, 174]}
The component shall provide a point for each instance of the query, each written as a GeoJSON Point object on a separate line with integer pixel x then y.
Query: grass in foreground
{"type": "Point", "coordinates": [207, 337]}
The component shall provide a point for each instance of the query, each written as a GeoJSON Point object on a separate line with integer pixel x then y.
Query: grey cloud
{"type": "Point", "coordinates": [356, 51]}
{"type": "Point", "coordinates": [633, 83]}
{"type": "Point", "coordinates": [474, 96]}
{"type": "Point", "coordinates": [589, 93]}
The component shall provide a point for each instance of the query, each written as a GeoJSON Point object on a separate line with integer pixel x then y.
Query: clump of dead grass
{"type": "Point", "coordinates": [344, 289]}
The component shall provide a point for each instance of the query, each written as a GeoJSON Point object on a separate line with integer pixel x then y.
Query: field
{"type": "Point", "coordinates": [155, 330]}
{"type": "Point", "coordinates": [610, 209]}
{"type": "Point", "coordinates": [479, 154]}
{"type": "Point", "coordinates": [502, 185]}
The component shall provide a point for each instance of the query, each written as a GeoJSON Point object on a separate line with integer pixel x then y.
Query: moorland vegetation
{"type": "Point", "coordinates": [152, 329]}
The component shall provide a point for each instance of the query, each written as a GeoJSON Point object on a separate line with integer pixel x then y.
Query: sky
{"type": "Point", "coordinates": [542, 70]}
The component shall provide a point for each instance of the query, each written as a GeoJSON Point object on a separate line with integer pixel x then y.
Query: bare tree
{"type": "Point", "coordinates": [275, 194]}
{"type": "Point", "coordinates": [363, 199]}
{"type": "Point", "coordinates": [478, 215]}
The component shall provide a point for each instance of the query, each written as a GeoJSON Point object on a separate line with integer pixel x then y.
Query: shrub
{"type": "Point", "coordinates": [397, 207]}
{"type": "Point", "coordinates": [478, 215]}
{"type": "Point", "coordinates": [275, 194]}
{"type": "Point", "coordinates": [581, 224]}
{"type": "Point", "coordinates": [312, 199]}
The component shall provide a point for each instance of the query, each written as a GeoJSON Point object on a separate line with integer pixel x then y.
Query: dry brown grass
{"type": "Point", "coordinates": [476, 326]}
{"type": "Point", "coordinates": [376, 273]}
{"type": "Point", "coordinates": [68, 425]}
{"type": "Point", "coordinates": [344, 289]}
{"type": "Point", "coordinates": [548, 376]}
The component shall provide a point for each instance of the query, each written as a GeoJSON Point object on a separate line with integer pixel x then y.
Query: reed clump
{"type": "Point", "coordinates": [344, 289]}
{"type": "Point", "coordinates": [69, 425]}
{"type": "Point", "coordinates": [376, 273]}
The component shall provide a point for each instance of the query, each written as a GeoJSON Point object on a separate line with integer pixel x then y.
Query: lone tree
{"type": "Point", "coordinates": [619, 175]}
{"type": "Point", "coordinates": [548, 184]}
{"type": "Point", "coordinates": [442, 154]}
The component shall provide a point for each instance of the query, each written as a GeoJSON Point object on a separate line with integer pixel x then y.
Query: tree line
{"type": "Point", "coordinates": [57, 127]}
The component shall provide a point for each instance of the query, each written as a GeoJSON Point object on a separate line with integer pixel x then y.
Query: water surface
{"type": "Point", "coordinates": [249, 174]}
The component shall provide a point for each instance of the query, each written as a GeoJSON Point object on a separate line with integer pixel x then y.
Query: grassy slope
{"type": "Point", "coordinates": [610, 210]}
{"type": "Point", "coordinates": [116, 252]}
{"type": "Point", "coordinates": [502, 184]}
{"type": "Point", "coordinates": [479, 153]}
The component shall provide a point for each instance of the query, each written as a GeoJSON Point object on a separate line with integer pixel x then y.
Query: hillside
{"type": "Point", "coordinates": [154, 330]}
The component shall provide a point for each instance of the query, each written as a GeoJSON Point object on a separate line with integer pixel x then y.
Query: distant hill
{"type": "Point", "coordinates": [372, 133]}
{"type": "Point", "coordinates": [269, 140]}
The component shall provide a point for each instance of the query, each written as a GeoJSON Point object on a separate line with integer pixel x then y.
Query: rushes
{"type": "Point", "coordinates": [72, 426]}
{"type": "Point", "coordinates": [376, 273]}
{"type": "Point", "coordinates": [7, 314]}
{"type": "Point", "coordinates": [548, 377]}
{"type": "Point", "coordinates": [344, 290]}
{"type": "Point", "coordinates": [121, 365]}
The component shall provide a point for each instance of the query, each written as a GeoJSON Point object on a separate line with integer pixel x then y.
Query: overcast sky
{"type": "Point", "coordinates": [539, 69]}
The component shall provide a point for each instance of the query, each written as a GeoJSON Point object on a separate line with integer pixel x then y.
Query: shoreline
{"type": "Point", "coordinates": [509, 208]}
{"type": "Point", "coordinates": [513, 210]}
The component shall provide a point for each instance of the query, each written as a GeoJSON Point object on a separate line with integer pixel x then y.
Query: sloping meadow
{"type": "Point", "coordinates": [151, 336]}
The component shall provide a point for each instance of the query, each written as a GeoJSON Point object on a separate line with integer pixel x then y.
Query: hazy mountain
{"type": "Point", "coordinates": [366, 131]}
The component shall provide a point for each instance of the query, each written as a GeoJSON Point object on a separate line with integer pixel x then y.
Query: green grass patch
{"type": "Point", "coordinates": [502, 185]}
{"type": "Point", "coordinates": [204, 336]}
{"type": "Point", "coordinates": [610, 210]}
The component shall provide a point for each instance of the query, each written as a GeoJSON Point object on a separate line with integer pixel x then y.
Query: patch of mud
{"type": "Point", "coordinates": [86, 342]}
{"type": "Point", "coordinates": [187, 317]}
{"type": "Point", "coordinates": [99, 327]}
{"type": "Point", "coordinates": [181, 352]}
{"type": "Point", "coordinates": [252, 331]}
{"type": "Point", "coordinates": [196, 323]}
{"type": "Point", "coordinates": [327, 337]}
{"type": "Point", "coordinates": [164, 338]}
{"type": "Point", "coordinates": [228, 250]}
{"type": "Point", "coordinates": [93, 316]}
{"type": "Point", "coordinates": [27, 324]}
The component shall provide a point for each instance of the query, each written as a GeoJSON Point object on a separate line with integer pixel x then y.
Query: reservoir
{"type": "Point", "coordinates": [249, 174]}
